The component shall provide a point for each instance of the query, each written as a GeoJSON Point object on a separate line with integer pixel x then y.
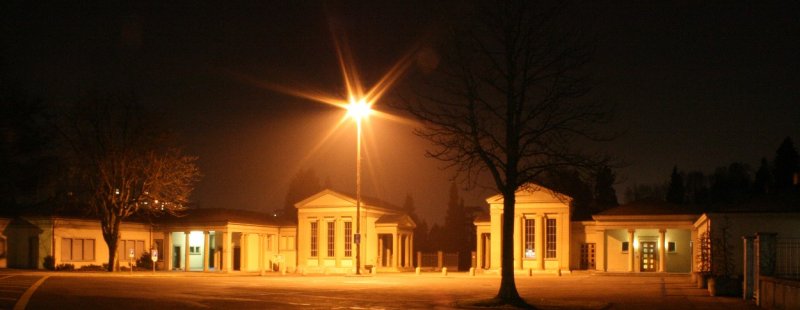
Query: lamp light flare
{"type": "Point", "coordinates": [359, 109]}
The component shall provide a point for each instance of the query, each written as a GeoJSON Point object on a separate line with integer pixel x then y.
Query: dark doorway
{"type": "Point", "coordinates": [588, 258]}
{"type": "Point", "coordinates": [176, 257]}
{"type": "Point", "coordinates": [237, 262]}
{"type": "Point", "coordinates": [486, 250]}
{"type": "Point", "coordinates": [33, 252]}
{"type": "Point", "coordinates": [210, 258]}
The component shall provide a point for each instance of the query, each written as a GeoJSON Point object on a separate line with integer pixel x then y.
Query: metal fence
{"type": "Point", "coordinates": [451, 261]}
{"type": "Point", "coordinates": [787, 258]}
{"type": "Point", "coordinates": [436, 260]}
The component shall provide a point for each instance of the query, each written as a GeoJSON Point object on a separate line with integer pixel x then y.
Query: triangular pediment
{"type": "Point", "coordinates": [532, 193]}
{"type": "Point", "coordinates": [326, 198]}
{"type": "Point", "coordinates": [401, 220]}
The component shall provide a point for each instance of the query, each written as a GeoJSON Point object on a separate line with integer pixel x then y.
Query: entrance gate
{"type": "Point", "coordinates": [648, 256]}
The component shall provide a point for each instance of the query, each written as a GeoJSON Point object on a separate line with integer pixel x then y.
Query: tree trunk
{"type": "Point", "coordinates": [508, 288]}
{"type": "Point", "coordinates": [111, 236]}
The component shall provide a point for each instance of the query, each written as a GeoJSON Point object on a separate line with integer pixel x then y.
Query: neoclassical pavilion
{"type": "Point", "coordinates": [327, 226]}
{"type": "Point", "coordinates": [541, 231]}
{"type": "Point", "coordinates": [637, 237]}
{"type": "Point", "coordinates": [647, 236]}
{"type": "Point", "coordinates": [227, 240]}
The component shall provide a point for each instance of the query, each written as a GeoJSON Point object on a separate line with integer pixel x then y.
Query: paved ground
{"type": "Point", "coordinates": [385, 291]}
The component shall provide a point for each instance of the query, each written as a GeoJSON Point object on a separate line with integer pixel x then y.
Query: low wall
{"type": "Point", "coordinates": [776, 293]}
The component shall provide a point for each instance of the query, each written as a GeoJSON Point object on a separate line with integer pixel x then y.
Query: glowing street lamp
{"type": "Point", "coordinates": [358, 110]}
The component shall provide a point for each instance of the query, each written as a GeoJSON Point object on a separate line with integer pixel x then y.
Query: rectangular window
{"type": "Point", "coordinates": [625, 246]}
{"type": "Point", "coordinates": [124, 248]}
{"type": "Point", "coordinates": [194, 250]}
{"type": "Point", "coordinates": [671, 247]}
{"type": "Point", "coordinates": [331, 239]}
{"type": "Point", "coordinates": [314, 246]}
{"type": "Point", "coordinates": [287, 243]}
{"type": "Point", "coordinates": [530, 241]}
{"type": "Point", "coordinates": [550, 227]}
{"type": "Point", "coordinates": [77, 250]}
{"type": "Point", "coordinates": [348, 239]}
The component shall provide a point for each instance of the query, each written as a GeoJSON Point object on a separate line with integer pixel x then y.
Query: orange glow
{"type": "Point", "coordinates": [359, 109]}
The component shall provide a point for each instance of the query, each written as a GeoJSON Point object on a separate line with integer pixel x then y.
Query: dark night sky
{"type": "Point", "coordinates": [695, 85]}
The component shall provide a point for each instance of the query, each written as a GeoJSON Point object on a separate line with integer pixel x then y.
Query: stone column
{"type": "Point", "coordinates": [600, 251]}
{"type": "Point", "coordinates": [539, 237]}
{"type": "Point", "coordinates": [167, 250]}
{"type": "Point", "coordinates": [338, 243]}
{"type": "Point", "coordinates": [662, 250]}
{"type": "Point", "coordinates": [496, 245]}
{"type": "Point", "coordinates": [261, 249]}
{"type": "Point", "coordinates": [517, 242]}
{"type": "Point", "coordinates": [321, 243]}
{"type": "Point", "coordinates": [205, 251]}
{"type": "Point", "coordinates": [242, 252]}
{"type": "Point", "coordinates": [631, 250]}
{"type": "Point", "coordinates": [186, 262]}
{"type": "Point", "coordinates": [395, 250]}
{"type": "Point", "coordinates": [380, 253]}
{"type": "Point", "coordinates": [227, 251]}
{"type": "Point", "coordinates": [408, 251]}
{"type": "Point", "coordinates": [411, 251]}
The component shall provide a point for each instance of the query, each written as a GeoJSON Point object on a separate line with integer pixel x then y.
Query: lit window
{"type": "Point", "coordinates": [314, 239]}
{"type": "Point", "coordinates": [530, 241]}
{"type": "Point", "coordinates": [73, 250]}
{"type": "Point", "coordinates": [550, 251]}
{"type": "Point", "coordinates": [331, 239]}
{"type": "Point", "coordinates": [348, 239]}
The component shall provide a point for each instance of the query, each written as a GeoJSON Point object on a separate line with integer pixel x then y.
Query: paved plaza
{"type": "Point", "coordinates": [177, 290]}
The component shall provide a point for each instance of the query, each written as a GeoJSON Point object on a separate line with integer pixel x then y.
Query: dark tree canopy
{"type": "Point", "coordinates": [676, 191]}
{"type": "Point", "coordinates": [787, 166]}
{"type": "Point", "coordinates": [696, 188]}
{"type": "Point", "coordinates": [122, 163]}
{"type": "Point", "coordinates": [507, 101]}
{"type": "Point", "coordinates": [762, 184]}
{"type": "Point", "coordinates": [28, 167]}
{"type": "Point", "coordinates": [604, 194]}
{"type": "Point", "coordinates": [304, 184]}
{"type": "Point", "coordinates": [421, 242]}
{"type": "Point", "coordinates": [730, 184]}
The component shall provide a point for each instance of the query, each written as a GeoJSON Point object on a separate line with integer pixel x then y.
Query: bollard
{"type": "Point", "coordinates": [444, 271]}
{"type": "Point", "coordinates": [418, 270]}
{"type": "Point", "coordinates": [530, 272]}
{"type": "Point", "coordinates": [559, 272]}
{"type": "Point", "coordinates": [472, 271]}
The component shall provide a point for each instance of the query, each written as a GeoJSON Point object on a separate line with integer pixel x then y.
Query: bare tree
{"type": "Point", "coordinates": [507, 98]}
{"type": "Point", "coordinates": [121, 164]}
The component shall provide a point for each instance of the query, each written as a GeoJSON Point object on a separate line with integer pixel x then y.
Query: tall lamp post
{"type": "Point", "coordinates": [358, 110]}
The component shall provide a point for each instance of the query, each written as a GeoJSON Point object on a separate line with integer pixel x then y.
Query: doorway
{"type": "Point", "coordinates": [588, 256]}
{"type": "Point", "coordinates": [176, 257]}
{"type": "Point", "coordinates": [648, 256]}
{"type": "Point", "coordinates": [237, 261]}
{"type": "Point", "coordinates": [486, 250]}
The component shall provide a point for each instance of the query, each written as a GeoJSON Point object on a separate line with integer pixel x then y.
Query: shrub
{"type": "Point", "coordinates": [49, 262]}
{"type": "Point", "coordinates": [145, 262]}
{"type": "Point", "coordinates": [92, 268]}
{"type": "Point", "coordinates": [65, 267]}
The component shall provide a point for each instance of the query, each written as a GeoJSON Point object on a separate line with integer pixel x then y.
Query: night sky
{"type": "Point", "coordinates": [694, 85]}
